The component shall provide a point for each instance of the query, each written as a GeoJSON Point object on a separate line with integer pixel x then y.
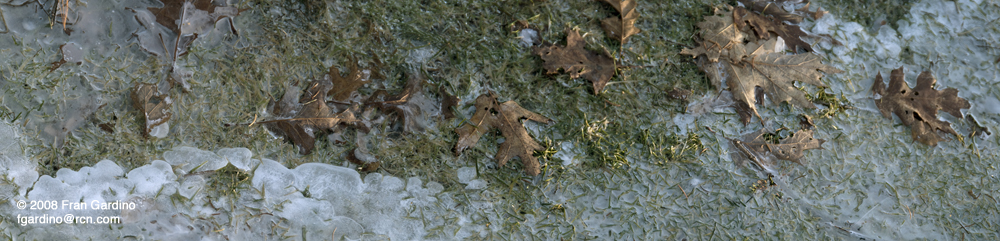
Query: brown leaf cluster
{"type": "Point", "coordinates": [620, 28]}
{"type": "Point", "coordinates": [918, 107]}
{"type": "Point", "coordinates": [577, 61]}
{"type": "Point", "coordinates": [751, 66]}
{"type": "Point", "coordinates": [507, 118]}
{"type": "Point", "coordinates": [321, 108]}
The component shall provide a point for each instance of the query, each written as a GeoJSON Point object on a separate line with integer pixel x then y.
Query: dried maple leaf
{"type": "Point", "coordinates": [774, 73]}
{"type": "Point", "coordinates": [311, 115]}
{"type": "Point", "coordinates": [757, 150]}
{"type": "Point", "coordinates": [622, 27]}
{"type": "Point", "coordinates": [918, 107]}
{"type": "Point", "coordinates": [506, 117]}
{"type": "Point", "coordinates": [154, 106]}
{"type": "Point", "coordinates": [576, 61]}
{"type": "Point", "coordinates": [763, 26]}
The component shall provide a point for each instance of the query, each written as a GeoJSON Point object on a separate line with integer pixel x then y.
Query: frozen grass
{"type": "Point", "coordinates": [644, 170]}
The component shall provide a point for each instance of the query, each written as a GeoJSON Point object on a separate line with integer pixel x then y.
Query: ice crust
{"type": "Point", "coordinates": [173, 199]}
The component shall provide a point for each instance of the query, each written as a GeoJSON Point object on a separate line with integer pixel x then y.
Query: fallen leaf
{"type": "Point", "coordinates": [576, 61]}
{"type": "Point", "coordinates": [347, 85]}
{"type": "Point", "coordinates": [406, 111]}
{"type": "Point", "coordinates": [184, 20]}
{"type": "Point", "coordinates": [506, 117]}
{"type": "Point", "coordinates": [918, 107]}
{"type": "Point", "coordinates": [448, 102]}
{"type": "Point", "coordinates": [312, 114]}
{"type": "Point", "coordinates": [769, 8]}
{"type": "Point", "coordinates": [763, 26]}
{"type": "Point", "coordinates": [620, 28]}
{"type": "Point", "coordinates": [154, 106]}
{"type": "Point", "coordinates": [361, 157]}
{"type": "Point", "coordinates": [775, 74]}
{"type": "Point", "coordinates": [757, 150]}
{"type": "Point", "coordinates": [718, 35]}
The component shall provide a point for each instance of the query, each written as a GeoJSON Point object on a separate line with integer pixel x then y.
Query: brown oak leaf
{"type": "Point", "coordinates": [763, 26]}
{"type": "Point", "coordinates": [345, 86]}
{"type": "Point", "coordinates": [506, 117]}
{"type": "Point", "coordinates": [918, 107]}
{"type": "Point", "coordinates": [576, 61]}
{"type": "Point", "coordinates": [757, 150]}
{"type": "Point", "coordinates": [620, 28]}
{"type": "Point", "coordinates": [155, 107]}
{"type": "Point", "coordinates": [310, 114]}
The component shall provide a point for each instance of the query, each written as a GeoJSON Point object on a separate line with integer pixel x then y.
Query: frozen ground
{"type": "Point", "coordinates": [870, 182]}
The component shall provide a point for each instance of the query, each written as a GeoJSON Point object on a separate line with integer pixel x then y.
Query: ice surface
{"type": "Point", "coordinates": [239, 157]}
{"type": "Point", "coordinates": [150, 179]}
{"type": "Point", "coordinates": [14, 166]}
{"type": "Point", "coordinates": [189, 158]}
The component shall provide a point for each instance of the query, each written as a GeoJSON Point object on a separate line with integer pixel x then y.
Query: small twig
{"type": "Point", "coordinates": [682, 190]}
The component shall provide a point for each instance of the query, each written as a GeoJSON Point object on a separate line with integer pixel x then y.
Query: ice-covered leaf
{"type": "Point", "coordinates": [775, 74]}
{"type": "Point", "coordinates": [577, 61]}
{"type": "Point", "coordinates": [506, 117]}
{"type": "Point", "coordinates": [620, 28]}
{"type": "Point", "coordinates": [312, 114]}
{"type": "Point", "coordinates": [918, 107]}
{"type": "Point", "coordinates": [406, 111]}
{"type": "Point", "coordinates": [718, 35]}
{"type": "Point", "coordinates": [756, 149]}
{"type": "Point", "coordinates": [155, 106]}
{"type": "Point", "coordinates": [183, 21]}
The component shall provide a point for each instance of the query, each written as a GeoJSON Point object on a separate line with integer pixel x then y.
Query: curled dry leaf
{"type": "Point", "coordinates": [918, 107]}
{"type": "Point", "coordinates": [620, 28]}
{"type": "Point", "coordinates": [757, 150]}
{"type": "Point", "coordinates": [155, 107]}
{"type": "Point", "coordinates": [576, 61]}
{"type": "Point", "coordinates": [506, 117]}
